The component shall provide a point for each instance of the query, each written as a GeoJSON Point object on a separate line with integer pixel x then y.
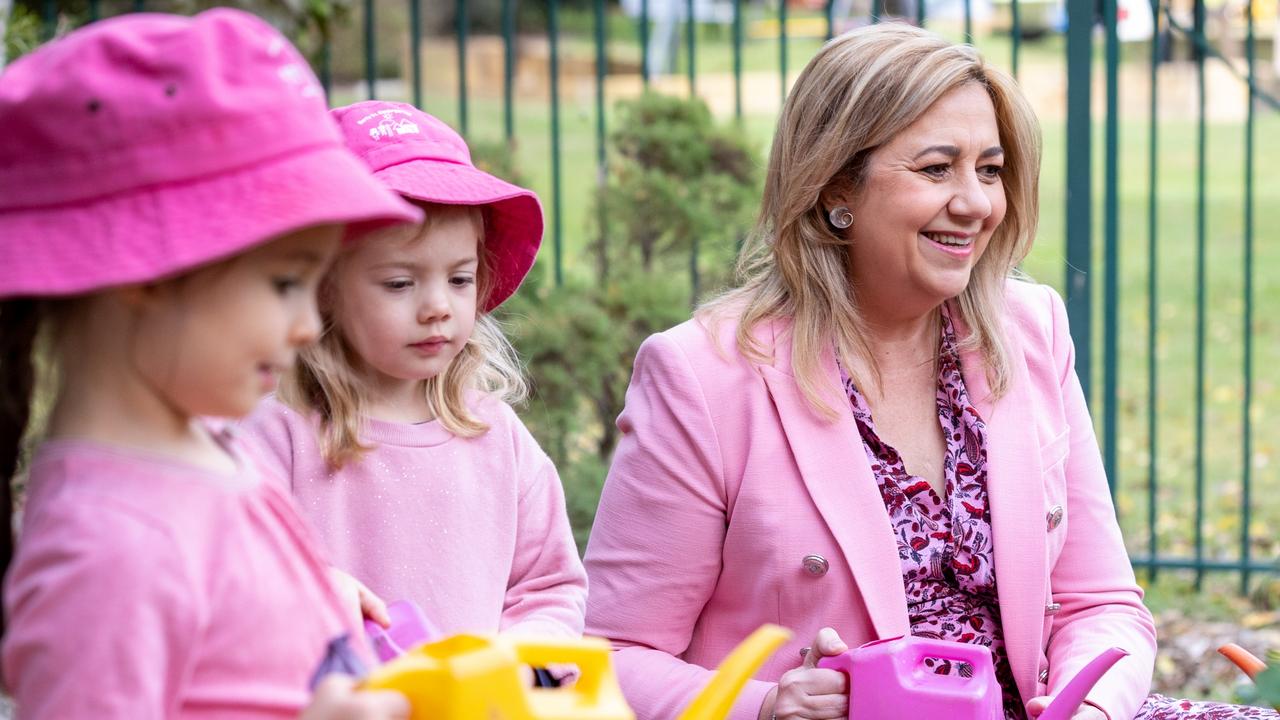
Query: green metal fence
{"type": "Point", "coordinates": [1129, 318]}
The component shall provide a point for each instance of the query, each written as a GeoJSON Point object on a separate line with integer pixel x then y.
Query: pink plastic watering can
{"type": "Point", "coordinates": [889, 680]}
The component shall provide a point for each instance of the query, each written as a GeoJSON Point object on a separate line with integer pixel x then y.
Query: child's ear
{"type": "Point", "coordinates": [141, 296]}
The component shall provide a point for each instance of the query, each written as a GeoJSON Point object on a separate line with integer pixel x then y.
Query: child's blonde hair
{"type": "Point", "coordinates": [324, 379]}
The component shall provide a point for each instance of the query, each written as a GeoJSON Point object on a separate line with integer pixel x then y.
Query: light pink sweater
{"type": "Point", "coordinates": [472, 529]}
{"type": "Point", "coordinates": [144, 588]}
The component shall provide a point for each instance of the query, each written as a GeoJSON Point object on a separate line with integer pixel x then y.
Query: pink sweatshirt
{"type": "Point", "coordinates": [472, 529]}
{"type": "Point", "coordinates": [144, 588]}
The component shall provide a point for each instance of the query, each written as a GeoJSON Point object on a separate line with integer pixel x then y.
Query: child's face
{"type": "Point", "coordinates": [219, 338]}
{"type": "Point", "coordinates": [406, 300]}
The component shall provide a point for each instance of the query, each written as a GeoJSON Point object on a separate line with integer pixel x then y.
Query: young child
{"type": "Point", "coordinates": [394, 429]}
{"type": "Point", "coordinates": [171, 191]}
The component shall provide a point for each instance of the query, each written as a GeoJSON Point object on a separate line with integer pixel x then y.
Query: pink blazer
{"type": "Point", "coordinates": [725, 485]}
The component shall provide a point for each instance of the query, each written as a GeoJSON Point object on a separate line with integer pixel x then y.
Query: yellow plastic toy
{"type": "Point", "coordinates": [468, 677]}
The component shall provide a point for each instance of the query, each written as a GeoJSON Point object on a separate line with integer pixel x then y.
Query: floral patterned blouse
{"type": "Point", "coordinates": [945, 548]}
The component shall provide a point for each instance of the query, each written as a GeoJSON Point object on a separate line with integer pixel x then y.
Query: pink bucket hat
{"type": "Point", "coordinates": [147, 145]}
{"type": "Point", "coordinates": [420, 157]}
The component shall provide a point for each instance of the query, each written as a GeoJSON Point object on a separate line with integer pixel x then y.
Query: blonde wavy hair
{"type": "Point", "coordinates": [324, 379]}
{"type": "Point", "coordinates": [857, 93]}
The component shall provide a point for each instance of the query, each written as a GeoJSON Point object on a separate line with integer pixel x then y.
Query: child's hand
{"type": "Point", "coordinates": [337, 699]}
{"type": "Point", "coordinates": [359, 599]}
{"type": "Point", "coordinates": [1036, 705]}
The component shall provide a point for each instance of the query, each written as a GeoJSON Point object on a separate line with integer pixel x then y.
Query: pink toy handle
{"type": "Point", "coordinates": [915, 653]}
{"type": "Point", "coordinates": [409, 627]}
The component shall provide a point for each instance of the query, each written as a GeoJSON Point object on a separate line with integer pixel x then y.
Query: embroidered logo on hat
{"type": "Point", "coordinates": [388, 126]}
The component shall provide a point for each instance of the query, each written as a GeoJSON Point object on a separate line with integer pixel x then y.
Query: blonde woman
{"type": "Point", "coordinates": [880, 431]}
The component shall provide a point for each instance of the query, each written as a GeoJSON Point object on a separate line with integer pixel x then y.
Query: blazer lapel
{"type": "Point", "coordinates": [838, 477]}
{"type": "Point", "coordinates": [1016, 494]}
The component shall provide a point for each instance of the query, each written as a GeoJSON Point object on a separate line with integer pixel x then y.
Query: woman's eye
{"type": "Point", "coordinates": [992, 171]}
{"type": "Point", "coordinates": [935, 170]}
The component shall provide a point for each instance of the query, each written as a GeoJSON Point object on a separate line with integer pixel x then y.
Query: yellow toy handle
{"type": "Point", "coordinates": [716, 699]}
{"type": "Point", "coordinates": [591, 655]}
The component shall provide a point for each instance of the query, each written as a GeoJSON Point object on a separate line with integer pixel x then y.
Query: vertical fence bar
{"type": "Point", "coordinates": [509, 70]}
{"type": "Point", "coordinates": [49, 13]}
{"type": "Point", "coordinates": [877, 11]}
{"type": "Point", "coordinates": [415, 49]}
{"type": "Point", "coordinates": [968, 21]}
{"type": "Point", "coordinates": [691, 42]}
{"type": "Point", "coordinates": [553, 35]}
{"type": "Point", "coordinates": [782, 44]}
{"type": "Point", "coordinates": [1015, 37]}
{"type": "Point", "coordinates": [461, 22]}
{"type": "Point", "coordinates": [1246, 479]}
{"type": "Point", "coordinates": [139, 6]}
{"type": "Point", "coordinates": [1153, 305]}
{"type": "Point", "coordinates": [920, 12]}
{"type": "Point", "coordinates": [95, 10]}
{"type": "Point", "coordinates": [831, 18]}
{"type": "Point", "coordinates": [1079, 209]}
{"type": "Point", "coordinates": [1111, 274]}
{"type": "Point", "coordinates": [370, 50]}
{"type": "Point", "coordinates": [326, 61]}
{"type": "Point", "coordinates": [644, 42]}
{"type": "Point", "coordinates": [602, 158]}
{"type": "Point", "coordinates": [737, 59]}
{"type": "Point", "coordinates": [1201, 310]}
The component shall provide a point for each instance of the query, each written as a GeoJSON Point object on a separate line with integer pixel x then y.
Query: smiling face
{"type": "Point", "coordinates": [928, 204]}
{"type": "Point", "coordinates": [406, 300]}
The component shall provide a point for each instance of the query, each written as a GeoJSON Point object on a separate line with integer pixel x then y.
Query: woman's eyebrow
{"type": "Point", "coordinates": [953, 152]}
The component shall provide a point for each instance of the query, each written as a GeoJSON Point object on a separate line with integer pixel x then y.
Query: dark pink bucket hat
{"type": "Point", "coordinates": [146, 145]}
{"type": "Point", "coordinates": [422, 158]}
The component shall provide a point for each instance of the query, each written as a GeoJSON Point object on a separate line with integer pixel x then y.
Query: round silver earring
{"type": "Point", "coordinates": [840, 218]}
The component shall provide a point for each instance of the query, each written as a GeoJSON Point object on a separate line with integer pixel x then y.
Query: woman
{"type": "Point", "coordinates": [880, 432]}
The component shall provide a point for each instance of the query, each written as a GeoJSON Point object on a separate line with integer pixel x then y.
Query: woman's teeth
{"type": "Point", "coordinates": [944, 239]}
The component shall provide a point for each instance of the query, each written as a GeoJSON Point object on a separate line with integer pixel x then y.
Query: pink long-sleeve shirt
{"type": "Point", "coordinates": [144, 588]}
{"type": "Point", "coordinates": [472, 529]}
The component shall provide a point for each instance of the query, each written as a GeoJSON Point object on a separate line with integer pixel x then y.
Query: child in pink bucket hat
{"type": "Point", "coordinates": [395, 428]}
{"type": "Point", "coordinates": [171, 192]}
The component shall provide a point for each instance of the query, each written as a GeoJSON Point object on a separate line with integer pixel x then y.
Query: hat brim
{"type": "Point", "coordinates": [515, 225]}
{"type": "Point", "coordinates": [156, 232]}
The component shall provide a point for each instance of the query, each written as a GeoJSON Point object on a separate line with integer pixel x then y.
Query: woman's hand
{"type": "Point", "coordinates": [1036, 705]}
{"type": "Point", "coordinates": [359, 600]}
{"type": "Point", "coordinates": [808, 692]}
{"type": "Point", "coordinates": [337, 699]}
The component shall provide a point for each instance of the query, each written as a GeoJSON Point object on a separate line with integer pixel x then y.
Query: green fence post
{"type": "Point", "coordinates": [462, 22]}
{"type": "Point", "coordinates": [1111, 273]}
{"type": "Point", "coordinates": [968, 21]}
{"type": "Point", "coordinates": [508, 70]}
{"type": "Point", "coordinates": [370, 50]}
{"type": "Point", "coordinates": [691, 41]}
{"type": "Point", "coordinates": [920, 12]}
{"type": "Point", "coordinates": [50, 18]}
{"type": "Point", "coordinates": [1201, 310]}
{"type": "Point", "coordinates": [782, 44]}
{"type": "Point", "coordinates": [1246, 479]}
{"type": "Point", "coordinates": [326, 62]}
{"type": "Point", "coordinates": [139, 6]}
{"type": "Point", "coordinates": [737, 60]}
{"type": "Point", "coordinates": [831, 18]}
{"type": "Point", "coordinates": [1015, 35]}
{"type": "Point", "coordinates": [415, 49]}
{"type": "Point", "coordinates": [644, 42]}
{"type": "Point", "coordinates": [553, 33]}
{"type": "Point", "coordinates": [877, 10]}
{"type": "Point", "coordinates": [602, 157]}
{"type": "Point", "coordinates": [1153, 305]}
{"type": "Point", "coordinates": [1079, 206]}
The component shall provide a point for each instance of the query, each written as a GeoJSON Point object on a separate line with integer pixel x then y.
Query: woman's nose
{"type": "Point", "coordinates": [971, 199]}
